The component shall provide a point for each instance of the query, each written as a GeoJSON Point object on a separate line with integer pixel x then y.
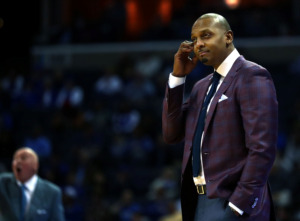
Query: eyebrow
{"type": "Point", "coordinates": [204, 30]}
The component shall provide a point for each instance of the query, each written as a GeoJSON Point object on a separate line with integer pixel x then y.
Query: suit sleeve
{"type": "Point", "coordinates": [173, 115]}
{"type": "Point", "coordinates": [259, 112]}
{"type": "Point", "coordinates": [58, 209]}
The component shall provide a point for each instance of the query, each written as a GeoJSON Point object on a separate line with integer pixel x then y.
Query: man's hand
{"type": "Point", "coordinates": [183, 64]}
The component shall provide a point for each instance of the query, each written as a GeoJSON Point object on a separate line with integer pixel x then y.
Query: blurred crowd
{"type": "Point", "coordinates": [98, 132]}
{"type": "Point", "coordinates": [98, 136]}
{"type": "Point", "coordinates": [111, 24]}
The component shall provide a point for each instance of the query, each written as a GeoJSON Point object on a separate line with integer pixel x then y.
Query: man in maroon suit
{"type": "Point", "coordinates": [228, 124]}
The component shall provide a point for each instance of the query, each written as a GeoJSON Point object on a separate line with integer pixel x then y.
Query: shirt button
{"type": "Point", "coordinates": [206, 153]}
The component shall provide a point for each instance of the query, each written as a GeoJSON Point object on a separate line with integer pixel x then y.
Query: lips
{"type": "Point", "coordinates": [202, 53]}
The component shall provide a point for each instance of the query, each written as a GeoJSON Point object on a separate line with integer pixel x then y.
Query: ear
{"type": "Point", "coordinates": [228, 37]}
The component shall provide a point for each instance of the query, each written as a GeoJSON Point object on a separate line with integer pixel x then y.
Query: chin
{"type": "Point", "coordinates": [204, 61]}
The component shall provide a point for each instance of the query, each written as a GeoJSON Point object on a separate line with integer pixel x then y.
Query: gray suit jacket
{"type": "Point", "coordinates": [45, 205]}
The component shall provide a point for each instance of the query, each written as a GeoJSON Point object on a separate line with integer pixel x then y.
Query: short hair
{"type": "Point", "coordinates": [218, 19]}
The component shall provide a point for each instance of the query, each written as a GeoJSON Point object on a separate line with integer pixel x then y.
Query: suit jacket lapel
{"type": "Point", "coordinates": [200, 98]}
{"type": "Point", "coordinates": [203, 91]}
{"type": "Point", "coordinates": [36, 201]}
{"type": "Point", "coordinates": [15, 197]}
{"type": "Point", "coordinates": [225, 84]}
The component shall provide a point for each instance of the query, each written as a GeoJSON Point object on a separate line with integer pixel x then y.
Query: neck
{"type": "Point", "coordinates": [228, 52]}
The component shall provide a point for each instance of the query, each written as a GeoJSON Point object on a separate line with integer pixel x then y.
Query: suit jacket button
{"type": "Point", "coordinates": [206, 153]}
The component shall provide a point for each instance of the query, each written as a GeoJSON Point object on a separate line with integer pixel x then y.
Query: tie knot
{"type": "Point", "coordinates": [24, 188]}
{"type": "Point", "coordinates": [216, 76]}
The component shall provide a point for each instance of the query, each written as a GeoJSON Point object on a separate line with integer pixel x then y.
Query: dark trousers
{"type": "Point", "coordinates": [213, 210]}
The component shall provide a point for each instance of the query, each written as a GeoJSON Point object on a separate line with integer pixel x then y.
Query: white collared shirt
{"type": "Point", "coordinates": [223, 70]}
{"type": "Point", "coordinates": [30, 187]}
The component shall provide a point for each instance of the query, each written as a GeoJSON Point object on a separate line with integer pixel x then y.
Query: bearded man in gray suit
{"type": "Point", "coordinates": [24, 196]}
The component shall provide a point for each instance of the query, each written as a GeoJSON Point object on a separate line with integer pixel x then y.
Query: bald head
{"type": "Point", "coordinates": [25, 164]}
{"type": "Point", "coordinates": [217, 19]}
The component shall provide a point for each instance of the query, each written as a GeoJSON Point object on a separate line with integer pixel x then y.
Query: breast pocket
{"type": "Point", "coordinates": [41, 215]}
{"type": "Point", "coordinates": [226, 107]}
{"type": "Point", "coordinates": [224, 100]}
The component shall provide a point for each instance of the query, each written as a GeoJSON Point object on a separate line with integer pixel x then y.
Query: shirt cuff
{"type": "Point", "coordinates": [235, 208]}
{"type": "Point", "coordinates": [175, 81]}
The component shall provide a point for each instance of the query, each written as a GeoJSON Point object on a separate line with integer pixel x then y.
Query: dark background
{"type": "Point", "coordinates": [104, 147]}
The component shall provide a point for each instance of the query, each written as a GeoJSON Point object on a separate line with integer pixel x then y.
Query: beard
{"type": "Point", "coordinates": [204, 60]}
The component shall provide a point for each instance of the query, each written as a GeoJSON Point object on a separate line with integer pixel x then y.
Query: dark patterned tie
{"type": "Point", "coordinates": [201, 124]}
{"type": "Point", "coordinates": [23, 202]}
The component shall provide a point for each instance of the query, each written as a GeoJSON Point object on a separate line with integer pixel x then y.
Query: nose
{"type": "Point", "coordinates": [199, 43]}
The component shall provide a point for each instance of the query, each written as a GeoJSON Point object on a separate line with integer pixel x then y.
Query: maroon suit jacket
{"type": "Point", "coordinates": [239, 143]}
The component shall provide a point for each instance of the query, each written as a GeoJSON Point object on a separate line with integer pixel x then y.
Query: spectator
{"type": "Point", "coordinates": [27, 192]}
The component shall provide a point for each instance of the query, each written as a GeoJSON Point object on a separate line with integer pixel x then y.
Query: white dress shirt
{"type": "Point", "coordinates": [29, 188]}
{"type": "Point", "coordinates": [223, 70]}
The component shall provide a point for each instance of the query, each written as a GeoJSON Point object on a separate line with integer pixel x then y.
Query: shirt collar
{"type": "Point", "coordinates": [30, 184]}
{"type": "Point", "coordinates": [226, 65]}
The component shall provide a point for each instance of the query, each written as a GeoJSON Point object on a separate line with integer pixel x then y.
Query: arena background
{"type": "Point", "coordinates": [82, 83]}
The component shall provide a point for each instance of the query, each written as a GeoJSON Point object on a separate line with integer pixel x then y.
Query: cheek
{"type": "Point", "coordinates": [216, 49]}
{"type": "Point", "coordinates": [195, 50]}
{"type": "Point", "coordinates": [29, 167]}
{"type": "Point", "coordinates": [25, 167]}
{"type": "Point", "coordinates": [14, 164]}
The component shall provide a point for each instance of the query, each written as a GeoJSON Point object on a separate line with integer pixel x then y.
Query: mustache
{"type": "Point", "coordinates": [203, 50]}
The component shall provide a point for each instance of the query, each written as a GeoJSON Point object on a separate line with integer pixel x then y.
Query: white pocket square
{"type": "Point", "coordinates": [41, 211]}
{"type": "Point", "coordinates": [222, 98]}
